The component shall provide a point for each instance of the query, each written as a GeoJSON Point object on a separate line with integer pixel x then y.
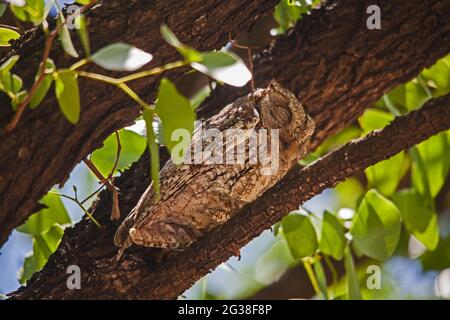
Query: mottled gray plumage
{"type": "Point", "coordinates": [194, 198]}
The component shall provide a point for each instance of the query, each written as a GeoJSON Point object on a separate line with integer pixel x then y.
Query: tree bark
{"type": "Point", "coordinates": [340, 67]}
{"type": "Point", "coordinates": [45, 147]}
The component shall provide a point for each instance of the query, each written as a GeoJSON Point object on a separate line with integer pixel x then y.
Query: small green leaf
{"type": "Point", "coordinates": [332, 240]}
{"type": "Point", "coordinates": [2, 9]}
{"type": "Point", "coordinates": [386, 175]}
{"type": "Point", "coordinates": [225, 67]}
{"type": "Point", "coordinates": [300, 235]}
{"type": "Point", "coordinates": [12, 82]}
{"type": "Point", "coordinates": [41, 221]}
{"type": "Point", "coordinates": [32, 11]}
{"type": "Point", "coordinates": [439, 259]}
{"type": "Point", "coordinates": [43, 246]}
{"type": "Point", "coordinates": [321, 279]}
{"type": "Point", "coordinates": [6, 35]}
{"type": "Point", "coordinates": [418, 219]}
{"type": "Point", "coordinates": [169, 36]}
{"type": "Point", "coordinates": [176, 113]}
{"type": "Point", "coordinates": [439, 73]}
{"type": "Point", "coordinates": [132, 147]}
{"type": "Point", "coordinates": [436, 163]}
{"type": "Point", "coordinates": [273, 263]}
{"type": "Point", "coordinates": [29, 267]}
{"type": "Point", "coordinates": [188, 53]}
{"type": "Point", "coordinates": [374, 119]}
{"type": "Point", "coordinates": [18, 99]}
{"type": "Point", "coordinates": [6, 67]}
{"type": "Point", "coordinates": [153, 149]}
{"type": "Point", "coordinates": [66, 40]}
{"type": "Point", "coordinates": [68, 94]}
{"type": "Point", "coordinates": [45, 85]}
{"type": "Point", "coordinates": [121, 57]}
{"type": "Point", "coordinates": [83, 34]}
{"type": "Point", "coordinates": [376, 227]}
{"type": "Point", "coordinates": [409, 96]}
{"type": "Point", "coordinates": [353, 291]}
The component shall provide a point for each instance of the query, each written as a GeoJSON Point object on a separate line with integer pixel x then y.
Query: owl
{"type": "Point", "coordinates": [196, 197]}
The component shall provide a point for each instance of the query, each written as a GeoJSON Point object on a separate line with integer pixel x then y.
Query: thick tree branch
{"type": "Point", "coordinates": [45, 147]}
{"type": "Point", "coordinates": [341, 68]}
{"type": "Point", "coordinates": [137, 277]}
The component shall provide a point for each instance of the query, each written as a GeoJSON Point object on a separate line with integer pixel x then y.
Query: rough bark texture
{"type": "Point", "coordinates": [44, 148]}
{"type": "Point", "coordinates": [337, 68]}
{"type": "Point", "coordinates": [135, 277]}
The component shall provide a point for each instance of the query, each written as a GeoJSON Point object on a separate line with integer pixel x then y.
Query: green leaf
{"type": "Point", "coordinates": [332, 240]}
{"type": "Point", "coordinates": [188, 53]}
{"type": "Point", "coordinates": [439, 74]}
{"type": "Point", "coordinates": [132, 147]}
{"type": "Point", "coordinates": [45, 85]}
{"type": "Point", "coordinates": [153, 149]}
{"type": "Point", "coordinates": [353, 292]}
{"type": "Point", "coordinates": [418, 219]}
{"type": "Point", "coordinates": [300, 235]}
{"type": "Point", "coordinates": [175, 112]}
{"type": "Point", "coordinates": [53, 237]}
{"type": "Point", "coordinates": [376, 227]}
{"type": "Point", "coordinates": [29, 267]}
{"type": "Point", "coordinates": [68, 94]}
{"type": "Point", "coordinates": [321, 279]}
{"type": "Point", "coordinates": [43, 246]}
{"type": "Point", "coordinates": [409, 96]}
{"type": "Point", "coordinates": [32, 11]}
{"type": "Point", "coordinates": [12, 82]}
{"type": "Point", "coordinates": [18, 99]}
{"type": "Point", "coordinates": [121, 57]}
{"type": "Point", "coordinates": [83, 2]}
{"type": "Point", "coordinates": [439, 259]}
{"type": "Point", "coordinates": [349, 192]}
{"type": "Point", "coordinates": [225, 67]}
{"type": "Point", "coordinates": [288, 12]}
{"type": "Point", "coordinates": [83, 34]}
{"type": "Point", "coordinates": [43, 220]}
{"type": "Point", "coordinates": [66, 40]}
{"type": "Point", "coordinates": [386, 175]}
{"type": "Point", "coordinates": [2, 9]}
{"type": "Point", "coordinates": [170, 37]}
{"type": "Point", "coordinates": [436, 162]}
{"type": "Point", "coordinates": [6, 67]}
{"type": "Point", "coordinates": [374, 119]}
{"type": "Point", "coordinates": [6, 35]}
{"type": "Point", "coordinates": [273, 263]}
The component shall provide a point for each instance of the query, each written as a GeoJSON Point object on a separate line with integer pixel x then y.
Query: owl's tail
{"type": "Point", "coordinates": [122, 237]}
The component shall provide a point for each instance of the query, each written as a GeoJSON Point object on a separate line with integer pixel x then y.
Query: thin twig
{"type": "Point", "coordinates": [119, 149]}
{"type": "Point", "coordinates": [115, 211]}
{"type": "Point", "coordinates": [93, 193]}
{"type": "Point", "coordinates": [250, 60]}
{"type": "Point", "coordinates": [75, 199]}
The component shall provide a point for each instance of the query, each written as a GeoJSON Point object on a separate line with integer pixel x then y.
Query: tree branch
{"type": "Point", "coordinates": [340, 67]}
{"type": "Point", "coordinates": [36, 155]}
{"type": "Point", "coordinates": [137, 277]}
